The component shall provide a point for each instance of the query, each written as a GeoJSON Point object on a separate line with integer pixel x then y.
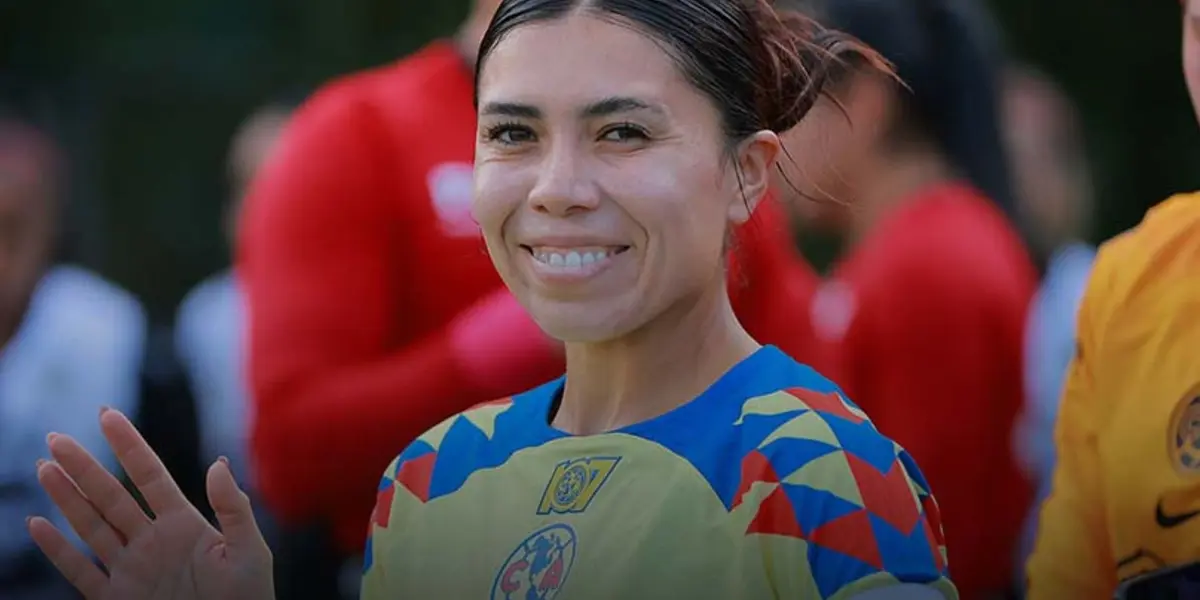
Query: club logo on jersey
{"type": "Point", "coordinates": [539, 566]}
{"type": "Point", "coordinates": [574, 483]}
{"type": "Point", "coordinates": [451, 186]}
{"type": "Point", "coordinates": [1184, 436]}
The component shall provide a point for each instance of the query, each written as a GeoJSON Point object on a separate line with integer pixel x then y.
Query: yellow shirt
{"type": "Point", "coordinates": [1126, 497]}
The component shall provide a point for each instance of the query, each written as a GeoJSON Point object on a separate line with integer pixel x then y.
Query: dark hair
{"type": "Point", "coordinates": [763, 69]}
{"type": "Point", "coordinates": [950, 58]}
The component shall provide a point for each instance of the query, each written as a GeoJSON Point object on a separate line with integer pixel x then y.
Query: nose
{"type": "Point", "coordinates": [563, 185]}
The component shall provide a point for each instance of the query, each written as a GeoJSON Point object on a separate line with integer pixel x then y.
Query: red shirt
{"type": "Point", "coordinates": [928, 313]}
{"type": "Point", "coordinates": [357, 250]}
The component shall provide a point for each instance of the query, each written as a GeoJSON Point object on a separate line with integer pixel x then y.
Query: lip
{"type": "Point", "coordinates": [571, 241]}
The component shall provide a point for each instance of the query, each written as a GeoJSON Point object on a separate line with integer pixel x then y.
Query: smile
{"type": "Point", "coordinates": [572, 262]}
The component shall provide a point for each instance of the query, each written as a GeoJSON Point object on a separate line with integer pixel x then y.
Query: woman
{"type": "Point", "coordinates": [618, 142]}
{"type": "Point", "coordinates": [924, 315]}
{"type": "Point", "coordinates": [1125, 501]}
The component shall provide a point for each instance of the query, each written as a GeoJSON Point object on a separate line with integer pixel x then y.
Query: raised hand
{"type": "Point", "coordinates": [177, 555]}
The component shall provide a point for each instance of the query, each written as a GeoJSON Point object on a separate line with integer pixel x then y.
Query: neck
{"type": "Point", "coordinates": [891, 185]}
{"type": "Point", "coordinates": [650, 372]}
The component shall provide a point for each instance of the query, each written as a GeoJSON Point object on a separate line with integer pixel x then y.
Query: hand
{"type": "Point", "coordinates": [177, 555]}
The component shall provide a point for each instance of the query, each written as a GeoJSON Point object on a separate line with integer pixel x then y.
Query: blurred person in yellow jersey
{"type": "Point", "coordinates": [1126, 492]}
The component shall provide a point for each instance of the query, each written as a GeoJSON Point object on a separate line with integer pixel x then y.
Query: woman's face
{"type": "Point", "coordinates": [1191, 50]}
{"type": "Point", "coordinates": [603, 181]}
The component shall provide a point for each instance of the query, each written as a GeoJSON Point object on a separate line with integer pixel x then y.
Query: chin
{"type": "Point", "coordinates": [582, 324]}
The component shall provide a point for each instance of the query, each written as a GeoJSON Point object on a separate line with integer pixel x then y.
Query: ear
{"type": "Point", "coordinates": [754, 160]}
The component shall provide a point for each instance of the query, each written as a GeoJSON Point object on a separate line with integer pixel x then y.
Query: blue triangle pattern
{"type": "Point", "coordinates": [814, 507]}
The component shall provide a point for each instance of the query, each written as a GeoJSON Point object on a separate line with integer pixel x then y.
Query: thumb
{"type": "Point", "coordinates": [232, 507]}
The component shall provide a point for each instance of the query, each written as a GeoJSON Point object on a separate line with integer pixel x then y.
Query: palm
{"type": "Point", "coordinates": [177, 555]}
{"type": "Point", "coordinates": [181, 556]}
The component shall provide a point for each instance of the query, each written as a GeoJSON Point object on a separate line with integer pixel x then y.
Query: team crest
{"type": "Point", "coordinates": [1184, 436]}
{"type": "Point", "coordinates": [574, 483]}
{"type": "Point", "coordinates": [539, 566]}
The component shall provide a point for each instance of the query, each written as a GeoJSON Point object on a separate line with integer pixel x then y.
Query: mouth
{"type": "Point", "coordinates": [573, 258]}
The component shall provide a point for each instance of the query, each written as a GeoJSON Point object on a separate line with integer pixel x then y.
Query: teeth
{"type": "Point", "coordinates": [571, 259]}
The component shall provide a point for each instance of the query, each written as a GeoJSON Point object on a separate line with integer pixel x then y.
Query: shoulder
{"type": "Point", "coordinates": [828, 477]}
{"type": "Point", "coordinates": [440, 460]}
{"type": "Point", "coordinates": [100, 316]}
{"type": "Point", "coordinates": [209, 297]}
{"type": "Point", "coordinates": [395, 88]}
{"type": "Point", "coordinates": [1145, 263]}
{"type": "Point", "coordinates": [947, 252]}
{"type": "Point", "coordinates": [209, 310]}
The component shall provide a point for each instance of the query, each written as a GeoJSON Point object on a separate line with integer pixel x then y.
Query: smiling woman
{"type": "Point", "coordinates": [619, 141]}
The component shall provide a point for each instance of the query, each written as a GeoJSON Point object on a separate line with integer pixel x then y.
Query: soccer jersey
{"type": "Point", "coordinates": [768, 485]}
{"type": "Point", "coordinates": [1126, 491]}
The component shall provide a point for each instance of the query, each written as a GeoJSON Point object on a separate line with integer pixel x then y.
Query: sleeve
{"type": "Point", "coordinates": [376, 553]}
{"type": "Point", "coordinates": [851, 515]}
{"type": "Point", "coordinates": [324, 286]}
{"type": "Point", "coordinates": [935, 359]}
{"type": "Point", "coordinates": [1072, 558]}
{"type": "Point", "coordinates": [399, 498]}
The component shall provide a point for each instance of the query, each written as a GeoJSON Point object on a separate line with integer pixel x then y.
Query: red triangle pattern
{"type": "Point", "coordinates": [755, 468]}
{"type": "Point", "coordinates": [886, 495]}
{"type": "Point", "coordinates": [829, 403]}
{"type": "Point", "coordinates": [382, 513]}
{"type": "Point", "coordinates": [851, 535]}
{"type": "Point", "coordinates": [776, 516]}
{"type": "Point", "coordinates": [416, 474]}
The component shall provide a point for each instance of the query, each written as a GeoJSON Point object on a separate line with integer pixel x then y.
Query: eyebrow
{"type": "Point", "coordinates": [601, 108]}
{"type": "Point", "coordinates": [619, 104]}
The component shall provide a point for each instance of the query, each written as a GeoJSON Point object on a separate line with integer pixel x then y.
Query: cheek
{"type": "Point", "coordinates": [499, 191]}
{"type": "Point", "coordinates": [1191, 63]}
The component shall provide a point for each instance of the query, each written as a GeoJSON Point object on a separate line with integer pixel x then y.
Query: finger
{"type": "Point", "coordinates": [98, 486]}
{"type": "Point", "coordinates": [77, 568]}
{"type": "Point", "coordinates": [83, 517]}
{"type": "Point", "coordinates": [233, 510]}
{"type": "Point", "coordinates": [141, 464]}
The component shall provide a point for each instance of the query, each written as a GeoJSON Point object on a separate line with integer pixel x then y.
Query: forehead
{"type": "Point", "coordinates": [577, 59]}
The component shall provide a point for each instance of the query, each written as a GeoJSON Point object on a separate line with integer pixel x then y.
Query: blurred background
{"type": "Point", "coordinates": [146, 97]}
{"type": "Point", "coordinates": [155, 114]}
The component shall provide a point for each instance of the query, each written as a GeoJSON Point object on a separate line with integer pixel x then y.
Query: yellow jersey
{"type": "Point", "coordinates": [1126, 492]}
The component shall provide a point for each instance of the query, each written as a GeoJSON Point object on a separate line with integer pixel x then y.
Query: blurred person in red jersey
{"type": "Point", "coordinates": [70, 342]}
{"type": "Point", "coordinates": [924, 315]}
{"type": "Point", "coordinates": [374, 311]}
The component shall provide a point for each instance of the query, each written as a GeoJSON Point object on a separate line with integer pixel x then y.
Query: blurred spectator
{"type": "Point", "coordinates": [925, 313]}
{"type": "Point", "coordinates": [71, 343]}
{"type": "Point", "coordinates": [1054, 199]}
{"type": "Point", "coordinates": [210, 324]}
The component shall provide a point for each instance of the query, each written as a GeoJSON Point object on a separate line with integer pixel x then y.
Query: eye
{"type": "Point", "coordinates": [624, 132]}
{"type": "Point", "coordinates": [509, 134]}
